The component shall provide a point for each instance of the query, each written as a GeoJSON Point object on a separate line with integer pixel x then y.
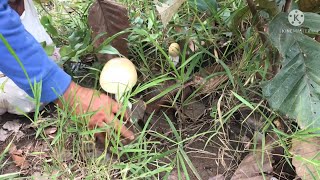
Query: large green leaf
{"type": "Point", "coordinates": [273, 7]}
{"type": "Point", "coordinates": [237, 17]}
{"type": "Point", "coordinates": [46, 21]}
{"type": "Point", "coordinates": [204, 5]}
{"type": "Point", "coordinates": [295, 90]}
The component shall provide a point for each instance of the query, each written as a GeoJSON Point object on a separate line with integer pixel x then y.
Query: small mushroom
{"type": "Point", "coordinates": [118, 76]}
{"type": "Point", "coordinates": [174, 52]}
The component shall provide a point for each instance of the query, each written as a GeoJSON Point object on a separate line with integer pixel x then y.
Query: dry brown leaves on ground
{"type": "Point", "coordinates": [167, 9]}
{"type": "Point", "coordinates": [19, 157]}
{"type": "Point", "coordinates": [11, 128]}
{"type": "Point", "coordinates": [208, 85]}
{"type": "Point", "coordinates": [306, 157]}
{"type": "Point", "coordinates": [256, 164]}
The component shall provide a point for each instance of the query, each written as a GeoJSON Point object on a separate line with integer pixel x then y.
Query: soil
{"type": "Point", "coordinates": [215, 155]}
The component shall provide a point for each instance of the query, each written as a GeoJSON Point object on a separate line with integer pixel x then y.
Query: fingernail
{"type": "Point", "coordinates": [131, 137]}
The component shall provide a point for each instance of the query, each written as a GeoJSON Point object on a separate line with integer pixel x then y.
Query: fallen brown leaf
{"type": "Point", "coordinates": [138, 110]}
{"type": "Point", "coordinates": [194, 110]}
{"type": "Point", "coordinates": [12, 126]}
{"type": "Point", "coordinates": [4, 135]}
{"type": "Point", "coordinates": [18, 157]}
{"type": "Point", "coordinates": [167, 9]}
{"type": "Point", "coordinates": [208, 85]}
{"type": "Point", "coordinates": [175, 176]}
{"type": "Point", "coordinates": [111, 17]}
{"type": "Point", "coordinates": [50, 130]}
{"type": "Point", "coordinates": [193, 45]}
{"type": "Point", "coordinates": [217, 177]}
{"type": "Point", "coordinates": [256, 163]}
{"type": "Point", "coordinates": [306, 157]}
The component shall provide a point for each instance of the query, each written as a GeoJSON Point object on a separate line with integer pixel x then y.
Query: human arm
{"type": "Point", "coordinates": [40, 68]}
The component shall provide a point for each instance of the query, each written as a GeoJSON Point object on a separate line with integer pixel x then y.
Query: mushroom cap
{"type": "Point", "coordinates": [174, 49]}
{"type": "Point", "coordinates": [118, 75]}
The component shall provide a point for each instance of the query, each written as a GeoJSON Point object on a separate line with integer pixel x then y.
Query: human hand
{"type": "Point", "coordinates": [85, 100]}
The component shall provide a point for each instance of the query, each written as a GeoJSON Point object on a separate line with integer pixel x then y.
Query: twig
{"type": "Point", "coordinates": [317, 38]}
{"type": "Point", "coordinates": [258, 25]}
{"type": "Point", "coordinates": [287, 5]}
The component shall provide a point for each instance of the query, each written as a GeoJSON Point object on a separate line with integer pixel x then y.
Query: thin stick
{"type": "Point", "coordinates": [317, 38]}
{"type": "Point", "coordinates": [287, 5]}
{"type": "Point", "coordinates": [258, 26]}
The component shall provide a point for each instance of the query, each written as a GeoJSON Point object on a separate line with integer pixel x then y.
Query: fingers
{"type": "Point", "coordinates": [116, 107]}
{"type": "Point", "coordinates": [100, 118]}
{"type": "Point", "coordinates": [124, 131]}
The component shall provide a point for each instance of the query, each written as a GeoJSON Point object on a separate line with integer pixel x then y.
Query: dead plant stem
{"type": "Point", "coordinates": [257, 21]}
{"type": "Point", "coordinates": [287, 5]}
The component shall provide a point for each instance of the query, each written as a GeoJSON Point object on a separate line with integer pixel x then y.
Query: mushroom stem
{"type": "Point", "coordinates": [175, 60]}
{"type": "Point", "coordinates": [119, 98]}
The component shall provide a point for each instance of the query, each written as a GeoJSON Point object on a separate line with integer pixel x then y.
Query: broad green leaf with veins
{"type": "Point", "coordinates": [295, 90]}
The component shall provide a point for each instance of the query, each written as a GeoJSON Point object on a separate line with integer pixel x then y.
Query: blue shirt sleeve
{"type": "Point", "coordinates": [34, 59]}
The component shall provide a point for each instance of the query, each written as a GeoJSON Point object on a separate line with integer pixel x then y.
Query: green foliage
{"type": "Point", "coordinates": [49, 49]}
{"type": "Point", "coordinates": [295, 90]}
{"type": "Point", "coordinates": [237, 17]}
{"type": "Point", "coordinates": [108, 49]}
{"type": "Point", "coordinates": [271, 6]}
{"type": "Point", "coordinates": [204, 5]}
{"type": "Point", "coordinates": [79, 43]}
{"type": "Point", "coordinates": [46, 21]}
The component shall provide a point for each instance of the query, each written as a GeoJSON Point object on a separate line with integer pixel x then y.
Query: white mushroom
{"type": "Point", "coordinates": [118, 76]}
{"type": "Point", "coordinates": [174, 52]}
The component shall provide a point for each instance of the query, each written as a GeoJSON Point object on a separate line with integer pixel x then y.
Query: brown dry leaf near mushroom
{"type": "Point", "coordinates": [9, 128]}
{"type": "Point", "coordinates": [167, 9]}
{"type": "Point", "coordinates": [50, 132]}
{"type": "Point", "coordinates": [194, 110]}
{"type": "Point", "coordinates": [208, 85]}
{"type": "Point", "coordinates": [110, 17]}
{"type": "Point", "coordinates": [306, 157]}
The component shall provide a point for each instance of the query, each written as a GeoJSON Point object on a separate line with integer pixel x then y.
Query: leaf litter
{"type": "Point", "coordinates": [306, 157]}
{"type": "Point", "coordinates": [167, 9]}
{"type": "Point", "coordinates": [19, 157]}
{"type": "Point", "coordinates": [9, 128]}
